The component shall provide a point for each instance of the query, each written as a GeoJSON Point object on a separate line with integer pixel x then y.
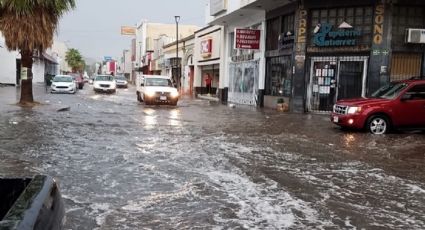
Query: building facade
{"type": "Point", "coordinates": [45, 66]}
{"type": "Point", "coordinates": [208, 71]}
{"type": "Point", "coordinates": [146, 35]}
{"type": "Point", "coordinates": [317, 52]}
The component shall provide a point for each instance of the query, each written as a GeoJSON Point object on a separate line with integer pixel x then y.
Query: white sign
{"type": "Point", "coordinates": [217, 6]}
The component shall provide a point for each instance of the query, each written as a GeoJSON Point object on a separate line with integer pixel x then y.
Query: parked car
{"type": "Point", "coordinates": [79, 79]}
{"type": "Point", "coordinates": [63, 84]}
{"type": "Point", "coordinates": [31, 203]}
{"type": "Point", "coordinates": [156, 89]}
{"type": "Point", "coordinates": [399, 105]}
{"type": "Point", "coordinates": [105, 84]}
{"type": "Point", "coordinates": [121, 81]}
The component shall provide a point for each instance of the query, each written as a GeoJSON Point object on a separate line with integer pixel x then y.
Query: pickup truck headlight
{"type": "Point", "coordinates": [174, 94]}
{"type": "Point", "coordinates": [150, 93]}
{"type": "Point", "coordinates": [353, 110]}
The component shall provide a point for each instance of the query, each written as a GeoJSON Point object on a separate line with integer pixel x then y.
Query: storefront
{"type": "Point", "coordinates": [246, 62]}
{"type": "Point", "coordinates": [208, 62]}
{"type": "Point", "coordinates": [346, 51]}
{"type": "Point", "coordinates": [280, 37]}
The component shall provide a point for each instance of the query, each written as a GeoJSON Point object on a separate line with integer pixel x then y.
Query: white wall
{"type": "Point", "coordinates": [7, 65]}
{"type": "Point", "coordinates": [38, 71]}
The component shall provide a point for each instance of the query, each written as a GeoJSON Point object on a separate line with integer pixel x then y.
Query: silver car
{"type": "Point", "coordinates": [121, 82]}
{"type": "Point", "coordinates": [63, 84]}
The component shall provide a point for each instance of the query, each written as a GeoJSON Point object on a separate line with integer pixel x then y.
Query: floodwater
{"type": "Point", "coordinates": [201, 165]}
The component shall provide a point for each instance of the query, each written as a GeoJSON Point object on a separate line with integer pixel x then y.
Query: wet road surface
{"type": "Point", "coordinates": [201, 165]}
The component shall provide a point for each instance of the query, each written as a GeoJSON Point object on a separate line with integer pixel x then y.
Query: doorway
{"type": "Point", "coordinates": [335, 78]}
{"type": "Point", "coordinates": [18, 72]}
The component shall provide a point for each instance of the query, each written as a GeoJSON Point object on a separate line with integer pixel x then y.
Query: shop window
{"type": "Point", "coordinates": [276, 27]}
{"type": "Point", "coordinates": [272, 33]}
{"type": "Point", "coordinates": [279, 74]}
{"type": "Point", "coordinates": [287, 23]}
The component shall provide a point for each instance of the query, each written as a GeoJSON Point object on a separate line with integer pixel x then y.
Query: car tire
{"type": "Point", "coordinates": [173, 103]}
{"type": "Point", "coordinates": [139, 97]}
{"type": "Point", "coordinates": [80, 87]}
{"type": "Point", "coordinates": [378, 124]}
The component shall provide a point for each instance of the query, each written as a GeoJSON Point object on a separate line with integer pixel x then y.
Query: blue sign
{"type": "Point", "coordinates": [107, 58]}
{"type": "Point", "coordinates": [342, 37]}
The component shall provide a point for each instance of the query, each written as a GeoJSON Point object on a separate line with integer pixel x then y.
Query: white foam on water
{"type": "Point", "coordinates": [261, 205]}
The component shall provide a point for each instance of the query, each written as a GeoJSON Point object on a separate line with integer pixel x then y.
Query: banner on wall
{"type": "Point", "coordinates": [243, 85]}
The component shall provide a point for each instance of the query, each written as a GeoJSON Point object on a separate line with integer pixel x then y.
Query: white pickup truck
{"type": "Point", "coordinates": [156, 89]}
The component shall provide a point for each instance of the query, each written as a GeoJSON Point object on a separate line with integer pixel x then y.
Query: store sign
{"type": "Point", "coordinates": [378, 28]}
{"type": "Point", "coordinates": [286, 40]}
{"type": "Point", "coordinates": [247, 39]}
{"type": "Point", "coordinates": [326, 36]}
{"type": "Point", "coordinates": [206, 48]}
{"type": "Point", "coordinates": [128, 30]}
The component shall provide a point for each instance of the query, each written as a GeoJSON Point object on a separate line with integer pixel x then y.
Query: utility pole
{"type": "Point", "coordinates": [177, 18]}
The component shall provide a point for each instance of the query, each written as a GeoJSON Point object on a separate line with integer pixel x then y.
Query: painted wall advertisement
{"type": "Point", "coordinates": [247, 39]}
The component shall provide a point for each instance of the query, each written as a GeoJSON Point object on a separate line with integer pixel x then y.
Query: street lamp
{"type": "Point", "coordinates": [177, 18]}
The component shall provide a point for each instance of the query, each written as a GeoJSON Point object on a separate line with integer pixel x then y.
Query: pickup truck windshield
{"type": "Point", "coordinates": [158, 82]}
{"type": "Point", "coordinates": [390, 91]}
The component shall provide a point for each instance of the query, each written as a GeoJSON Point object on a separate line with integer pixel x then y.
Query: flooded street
{"type": "Point", "coordinates": [202, 165]}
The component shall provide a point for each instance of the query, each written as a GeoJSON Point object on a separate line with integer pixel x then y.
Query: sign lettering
{"type": "Point", "coordinates": [247, 39]}
{"type": "Point", "coordinates": [378, 28]}
{"type": "Point", "coordinates": [342, 37]}
{"type": "Point", "coordinates": [302, 28]}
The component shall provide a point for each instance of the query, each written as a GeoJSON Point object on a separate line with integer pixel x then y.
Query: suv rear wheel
{"type": "Point", "coordinates": [378, 124]}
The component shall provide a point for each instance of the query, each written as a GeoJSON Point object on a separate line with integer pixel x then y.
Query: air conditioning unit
{"type": "Point", "coordinates": [415, 36]}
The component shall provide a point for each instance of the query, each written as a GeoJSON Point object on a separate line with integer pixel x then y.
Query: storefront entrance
{"type": "Point", "coordinates": [335, 78]}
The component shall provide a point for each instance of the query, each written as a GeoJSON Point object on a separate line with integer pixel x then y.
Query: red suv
{"type": "Point", "coordinates": [397, 105]}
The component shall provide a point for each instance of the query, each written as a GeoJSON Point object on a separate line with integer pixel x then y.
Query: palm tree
{"type": "Point", "coordinates": [75, 60]}
{"type": "Point", "coordinates": [28, 26]}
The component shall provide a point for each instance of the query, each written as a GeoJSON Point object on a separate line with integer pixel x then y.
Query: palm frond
{"type": "Point", "coordinates": [31, 24]}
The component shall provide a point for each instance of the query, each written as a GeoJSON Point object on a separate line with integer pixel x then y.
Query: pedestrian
{"type": "Point", "coordinates": [208, 82]}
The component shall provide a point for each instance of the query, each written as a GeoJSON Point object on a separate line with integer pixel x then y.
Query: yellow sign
{"type": "Point", "coordinates": [128, 30]}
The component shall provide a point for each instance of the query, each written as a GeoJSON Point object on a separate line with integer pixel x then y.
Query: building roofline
{"type": "Point", "coordinates": [180, 40]}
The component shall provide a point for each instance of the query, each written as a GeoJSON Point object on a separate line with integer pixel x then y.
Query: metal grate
{"type": "Point", "coordinates": [340, 109]}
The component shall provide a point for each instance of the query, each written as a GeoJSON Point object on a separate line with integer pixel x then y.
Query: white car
{"type": "Point", "coordinates": [121, 81]}
{"type": "Point", "coordinates": [63, 84]}
{"type": "Point", "coordinates": [104, 84]}
{"type": "Point", "coordinates": [156, 89]}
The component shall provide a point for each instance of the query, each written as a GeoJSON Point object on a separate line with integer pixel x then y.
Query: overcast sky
{"type": "Point", "coordinates": [94, 26]}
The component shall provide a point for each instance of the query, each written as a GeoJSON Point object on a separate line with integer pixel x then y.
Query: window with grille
{"type": "Point", "coordinates": [279, 76]}
{"type": "Point", "coordinates": [405, 17]}
{"type": "Point", "coordinates": [276, 27]}
{"type": "Point", "coordinates": [361, 18]}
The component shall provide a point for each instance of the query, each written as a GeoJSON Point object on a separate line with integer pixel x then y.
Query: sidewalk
{"type": "Point", "coordinates": [208, 97]}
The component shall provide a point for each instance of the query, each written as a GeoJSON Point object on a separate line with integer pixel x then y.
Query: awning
{"type": "Point", "coordinates": [49, 58]}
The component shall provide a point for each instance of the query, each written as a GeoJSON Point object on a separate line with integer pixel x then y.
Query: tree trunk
{"type": "Point", "coordinates": [26, 84]}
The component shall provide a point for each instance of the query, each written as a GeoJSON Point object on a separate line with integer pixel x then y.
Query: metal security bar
{"type": "Point", "coordinates": [334, 78]}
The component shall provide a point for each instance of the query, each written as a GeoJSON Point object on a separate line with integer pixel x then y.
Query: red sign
{"type": "Point", "coordinates": [206, 48]}
{"type": "Point", "coordinates": [247, 39]}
